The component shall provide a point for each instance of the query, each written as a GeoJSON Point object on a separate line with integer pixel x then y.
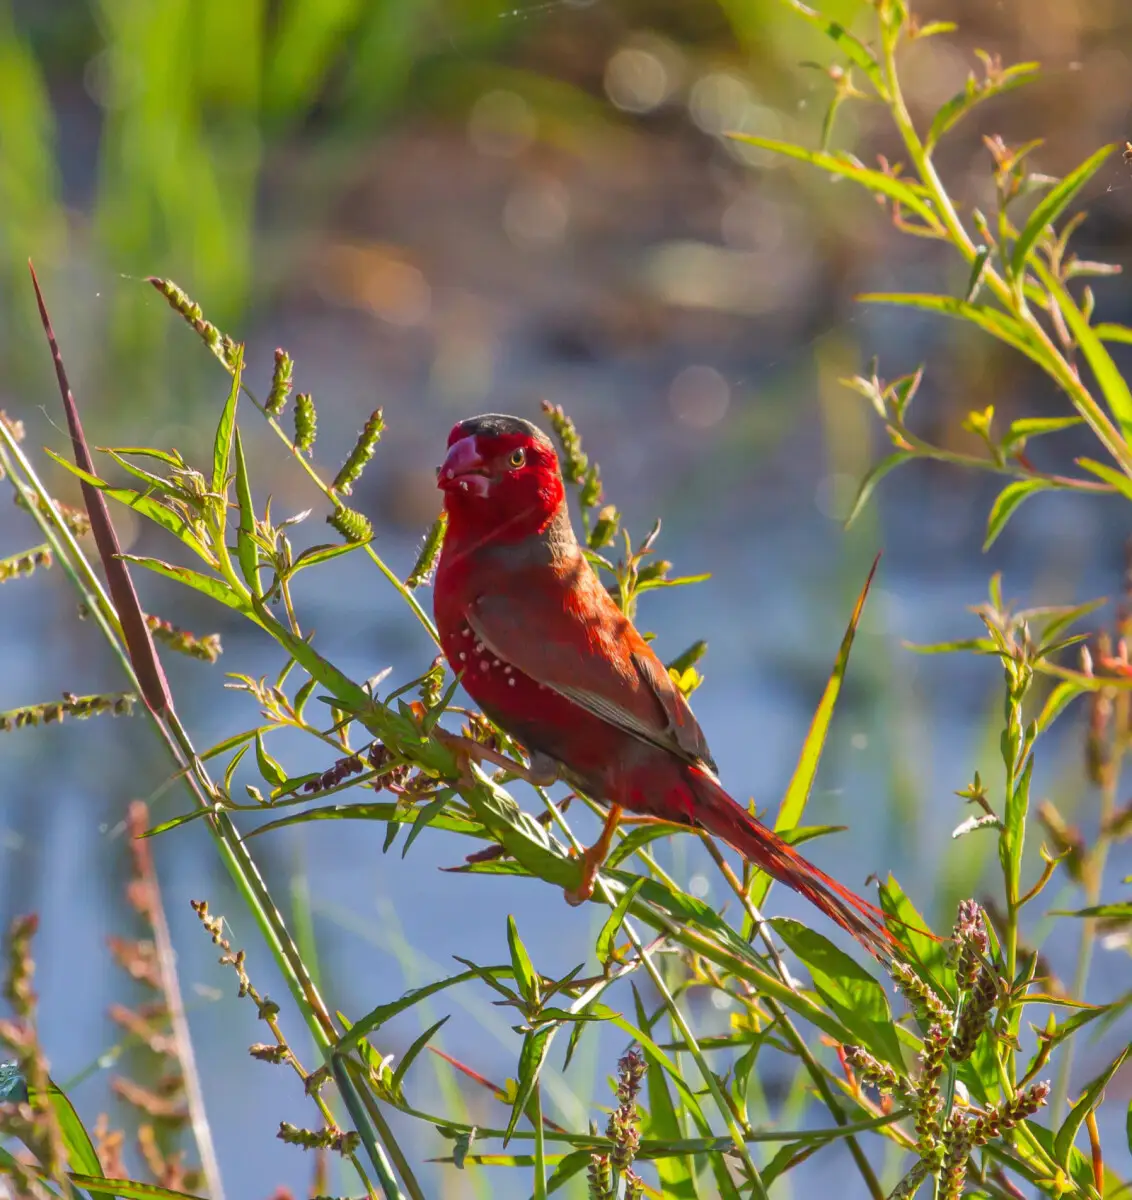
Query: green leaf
{"type": "Point", "coordinates": [1022, 430]}
{"type": "Point", "coordinates": [1110, 475]}
{"type": "Point", "coordinates": [609, 931]}
{"type": "Point", "coordinates": [381, 811]}
{"type": "Point", "coordinates": [849, 990]}
{"type": "Point", "coordinates": [222, 446]}
{"type": "Point", "coordinates": [269, 769]}
{"type": "Point", "coordinates": [1080, 1167]}
{"type": "Point", "coordinates": [319, 554]}
{"type": "Point", "coordinates": [913, 930]}
{"type": "Point", "coordinates": [81, 1153]}
{"type": "Point", "coordinates": [174, 822]}
{"type": "Point", "coordinates": [991, 320]}
{"type": "Point", "coordinates": [525, 975]}
{"type": "Point", "coordinates": [1114, 386]}
{"type": "Point", "coordinates": [963, 645]}
{"type": "Point", "coordinates": [418, 1045]}
{"type": "Point", "coordinates": [1108, 332]}
{"type": "Point", "coordinates": [1005, 504]}
{"type": "Point", "coordinates": [798, 791]}
{"type": "Point", "coordinates": [170, 457]}
{"type": "Point", "coordinates": [152, 509]}
{"type": "Point", "coordinates": [801, 834]}
{"type": "Point", "coordinates": [247, 553]}
{"type": "Point", "coordinates": [536, 1045]}
{"type": "Point", "coordinates": [955, 109]}
{"type": "Point", "coordinates": [1066, 691]}
{"type": "Point", "coordinates": [978, 270]}
{"type": "Point", "coordinates": [1090, 1098]}
{"type": "Point", "coordinates": [129, 1189]}
{"type": "Point", "coordinates": [912, 195]}
{"type": "Point", "coordinates": [875, 475]}
{"type": "Point", "coordinates": [637, 839]}
{"type": "Point", "coordinates": [377, 1017]}
{"type": "Point", "coordinates": [208, 584]}
{"type": "Point", "coordinates": [852, 47]}
{"type": "Point", "coordinates": [1013, 835]}
{"type": "Point", "coordinates": [426, 816]}
{"type": "Point", "coordinates": [1052, 206]}
{"type": "Point", "coordinates": [1120, 910]}
{"type": "Point", "coordinates": [153, 482]}
{"type": "Point", "coordinates": [234, 762]}
{"type": "Point", "coordinates": [573, 1164]}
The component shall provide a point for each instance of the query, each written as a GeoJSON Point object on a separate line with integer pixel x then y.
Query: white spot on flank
{"type": "Point", "coordinates": [506, 670]}
{"type": "Point", "coordinates": [511, 682]}
{"type": "Point", "coordinates": [484, 665]}
{"type": "Point", "coordinates": [463, 656]}
{"type": "Point", "coordinates": [495, 662]}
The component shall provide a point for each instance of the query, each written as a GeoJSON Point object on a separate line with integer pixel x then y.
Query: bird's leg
{"type": "Point", "coordinates": [593, 858]}
{"type": "Point", "coordinates": [467, 750]}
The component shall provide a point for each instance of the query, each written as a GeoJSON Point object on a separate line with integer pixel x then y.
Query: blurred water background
{"type": "Point", "coordinates": [451, 206]}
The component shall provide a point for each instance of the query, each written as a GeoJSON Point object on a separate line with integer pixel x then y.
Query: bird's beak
{"type": "Point", "coordinates": [464, 469]}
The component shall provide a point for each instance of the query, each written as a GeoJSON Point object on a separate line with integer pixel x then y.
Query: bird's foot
{"type": "Point", "coordinates": [593, 858]}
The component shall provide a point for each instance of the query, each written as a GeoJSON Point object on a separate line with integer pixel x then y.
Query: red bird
{"type": "Point", "coordinates": [546, 653]}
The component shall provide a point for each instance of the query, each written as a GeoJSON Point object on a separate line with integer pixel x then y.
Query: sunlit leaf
{"type": "Point", "coordinates": [152, 509]}
{"type": "Point", "coordinates": [851, 46]}
{"type": "Point", "coordinates": [378, 1016]}
{"type": "Point", "coordinates": [222, 444]}
{"type": "Point", "coordinates": [952, 111]}
{"type": "Point", "coordinates": [849, 990]}
{"type": "Point", "coordinates": [609, 931]}
{"type": "Point", "coordinates": [905, 191]}
{"type": "Point", "coordinates": [247, 553]}
{"type": "Point", "coordinates": [875, 474]}
{"type": "Point", "coordinates": [209, 585]}
{"type": "Point", "coordinates": [526, 977]}
{"type": "Point", "coordinates": [1052, 206]}
{"type": "Point", "coordinates": [1113, 384]}
{"type": "Point", "coordinates": [1007, 502]}
{"type": "Point", "coordinates": [536, 1045]}
{"type": "Point", "coordinates": [991, 320]}
{"type": "Point", "coordinates": [798, 790]}
{"type": "Point", "coordinates": [410, 1055]}
{"type": "Point", "coordinates": [1090, 1098]}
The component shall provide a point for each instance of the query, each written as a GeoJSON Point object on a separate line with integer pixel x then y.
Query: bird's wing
{"type": "Point", "coordinates": [565, 632]}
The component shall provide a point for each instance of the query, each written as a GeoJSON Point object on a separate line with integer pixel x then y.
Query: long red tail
{"type": "Point", "coordinates": [724, 818]}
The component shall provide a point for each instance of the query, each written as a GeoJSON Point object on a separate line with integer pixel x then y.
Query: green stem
{"type": "Point", "coordinates": [1093, 871]}
{"type": "Point", "coordinates": [737, 1135]}
{"type": "Point", "coordinates": [397, 583]}
{"type": "Point", "coordinates": [540, 1145]}
{"type": "Point", "coordinates": [813, 1067]}
{"type": "Point", "coordinates": [233, 852]}
{"type": "Point", "coordinates": [1011, 299]}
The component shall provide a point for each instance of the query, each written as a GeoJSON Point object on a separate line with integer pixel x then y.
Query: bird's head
{"type": "Point", "coordinates": [501, 477]}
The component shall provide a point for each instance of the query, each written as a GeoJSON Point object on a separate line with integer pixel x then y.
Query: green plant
{"type": "Point", "coordinates": [953, 1085]}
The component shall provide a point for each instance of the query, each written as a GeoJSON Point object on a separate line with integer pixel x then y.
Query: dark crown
{"type": "Point", "coordinates": [500, 425]}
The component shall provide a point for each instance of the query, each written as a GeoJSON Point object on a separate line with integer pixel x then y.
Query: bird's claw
{"type": "Point", "coordinates": [593, 858]}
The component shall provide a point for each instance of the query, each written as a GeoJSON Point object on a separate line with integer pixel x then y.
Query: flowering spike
{"type": "Point", "coordinates": [362, 452]}
{"type": "Point", "coordinates": [224, 347]}
{"type": "Point", "coordinates": [351, 524]}
{"type": "Point", "coordinates": [280, 384]}
{"type": "Point", "coordinates": [19, 566]}
{"type": "Point", "coordinates": [421, 574]}
{"type": "Point", "coordinates": [306, 423]}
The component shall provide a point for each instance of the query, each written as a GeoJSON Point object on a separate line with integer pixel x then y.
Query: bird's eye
{"type": "Point", "coordinates": [518, 457]}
